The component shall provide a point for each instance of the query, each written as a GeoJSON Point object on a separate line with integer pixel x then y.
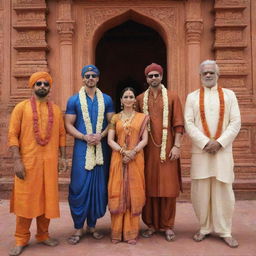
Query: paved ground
{"type": "Point", "coordinates": [244, 229]}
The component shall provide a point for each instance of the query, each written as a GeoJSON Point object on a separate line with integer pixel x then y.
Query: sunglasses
{"type": "Point", "coordinates": [91, 75]}
{"type": "Point", "coordinates": [40, 83]}
{"type": "Point", "coordinates": [153, 75]}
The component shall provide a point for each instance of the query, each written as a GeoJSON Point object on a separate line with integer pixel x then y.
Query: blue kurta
{"type": "Point", "coordinates": [88, 189]}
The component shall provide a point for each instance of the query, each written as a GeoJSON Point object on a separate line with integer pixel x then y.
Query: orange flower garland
{"type": "Point", "coordinates": [39, 139]}
{"type": "Point", "coordinates": [221, 113]}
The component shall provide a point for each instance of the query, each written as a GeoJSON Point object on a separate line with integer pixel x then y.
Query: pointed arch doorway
{"type": "Point", "coordinates": [123, 52]}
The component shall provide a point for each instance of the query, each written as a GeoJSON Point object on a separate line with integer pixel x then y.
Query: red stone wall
{"type": "Point", "coordinates": [61, 36]}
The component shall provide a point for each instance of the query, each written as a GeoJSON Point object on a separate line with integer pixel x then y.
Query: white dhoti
{"type": "Point", "coordinates": [213, 202]}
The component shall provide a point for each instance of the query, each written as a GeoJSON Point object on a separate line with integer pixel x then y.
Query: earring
{"type": "Point", "coordinates": [122, 106]}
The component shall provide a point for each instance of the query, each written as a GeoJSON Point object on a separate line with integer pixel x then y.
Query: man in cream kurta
{"type": "Point", "coordinates": [212, 160]}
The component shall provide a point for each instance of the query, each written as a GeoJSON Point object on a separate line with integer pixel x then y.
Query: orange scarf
{"type": "Point", "coordinates": [221, 113]}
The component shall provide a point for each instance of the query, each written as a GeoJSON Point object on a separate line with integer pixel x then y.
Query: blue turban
{"type": "Point", "coordinates": [90, 68]}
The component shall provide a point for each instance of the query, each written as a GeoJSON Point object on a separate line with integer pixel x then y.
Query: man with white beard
{"type": "Point", "coordinates": [212, 120]}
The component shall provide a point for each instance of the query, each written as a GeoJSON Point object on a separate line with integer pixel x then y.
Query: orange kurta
{"type": "Point", "coordinates": [162, 179]}
{"type": "Point", "coordinates": [37, 194]}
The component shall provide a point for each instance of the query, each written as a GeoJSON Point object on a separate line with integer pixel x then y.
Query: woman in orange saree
{"type": "Point", "coordinates": [127, 137]}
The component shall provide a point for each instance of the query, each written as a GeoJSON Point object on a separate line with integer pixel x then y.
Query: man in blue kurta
{"type": "Point", "coordinates": [87, 115]}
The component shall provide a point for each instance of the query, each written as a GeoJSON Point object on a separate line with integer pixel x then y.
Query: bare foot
{"type": "Point", "coordinates": [230, 241]}
{"type": "Point", "coordinates": [17, 250]}
{"type": "Point", "coordinates": [132, 241]}
{"type": "Point", "coordinates": [50, 242]}
{"type": "Point", "coordinates": [115, 241]}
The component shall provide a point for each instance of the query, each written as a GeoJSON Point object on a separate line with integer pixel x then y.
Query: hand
{"type": "Point", "coordinates": [89, 139]}
{"type": "Point", "coordinates": [97, 138]}
{"type": "Point", "coordinates": [62, 165]}
{"type": "Point", "coordinates": [93, 139]}
{"type": "Point", "coordinates": [126, 160]}
{"type": "Point", "coordinates": [130, 154]}
{"type": "Point", "coordinates": [212, 147]}
{"type": "Point", "coordinates": [19, 169]}
{"type": "Point", "coordinates": [174, 153]}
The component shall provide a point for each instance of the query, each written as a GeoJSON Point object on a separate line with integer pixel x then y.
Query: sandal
{"type": "Point", "coordinates": [230, 241]}
{"type": "Point", "coordinates": [198, 237]}
{"type": "Point", "coordinates": [148, 233]}
{"type": "Point", "coordinates": [169, 235]}
{"type": "Point", "coordinates": [17, 250]}
{"type": "Point", "coordinates": [50, 242]}
{"type": "Point", "coordinates": [95, 234]}
{"type": "Point", "coordinates": [74, 239]}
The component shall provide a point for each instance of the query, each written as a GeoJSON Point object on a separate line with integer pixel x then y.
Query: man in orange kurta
{"type": "Point", "coordinates": [36, 132]}
{"type": "Point", "coordinates": [162, 165]}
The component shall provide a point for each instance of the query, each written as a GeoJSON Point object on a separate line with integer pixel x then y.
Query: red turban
{"type": "Point", "coordinates": [38, 75]}
{"type": "Point", "coordinates": [154, 67]}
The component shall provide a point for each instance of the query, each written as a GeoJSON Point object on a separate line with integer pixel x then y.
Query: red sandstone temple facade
{"type": "Point", "coordinates": [121, 37]}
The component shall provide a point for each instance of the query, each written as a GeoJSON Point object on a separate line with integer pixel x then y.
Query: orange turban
{"type": "Point", "coordinates": [38, 75]}
{"type": "Point", "coordinates": [154, 67]}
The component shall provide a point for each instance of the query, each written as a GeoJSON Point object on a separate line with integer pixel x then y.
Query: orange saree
{"type": "Point", "coordinates": [126, 187]}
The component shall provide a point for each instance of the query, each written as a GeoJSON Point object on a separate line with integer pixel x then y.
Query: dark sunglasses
{"type": "Point", "coordinates": [91, 75]}
{"type": "Point", "coordinates": [153, 75]}
{"type": "Point", "coordinates": [40, 83]}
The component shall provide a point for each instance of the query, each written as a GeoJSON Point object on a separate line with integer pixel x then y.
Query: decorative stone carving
{"type": "Point", "coordinates": [231, 3]}
{"type": "Point", "coordinates": [30, 44]}
{"type": "Point", "coordinates": [94, 17]}
{"type": "Point", "coordinates": [193, 31]}
{"type": "Point", "coordinates": [65, 29]}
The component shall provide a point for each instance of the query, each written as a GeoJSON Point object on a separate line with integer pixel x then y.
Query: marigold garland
{"type": "Point", "coordinates": [221, 114]}
{"type": "Point", "coordinates": [38, 138]}
{"type": "Point", "coordinates": [93, 157]}
{"type": "Point", "coordinates": [165, 121]}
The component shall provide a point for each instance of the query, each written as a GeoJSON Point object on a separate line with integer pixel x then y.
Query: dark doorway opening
{"type": "Point", "coordinates": [122, 54]}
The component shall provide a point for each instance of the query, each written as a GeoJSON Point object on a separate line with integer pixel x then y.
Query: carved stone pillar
{"type": "Point", "coordinates": [194, 28]}
{"type": "Point", "coordinates": [65, 26]}
{"type": "Point", "coordinates": [29, 41]}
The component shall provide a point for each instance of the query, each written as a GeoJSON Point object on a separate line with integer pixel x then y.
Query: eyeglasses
{"type": "Point", "coordinates": [90, 75]}
{"type": "Point", "coordinates": [153, 75]}
{"type": "Point", "coordinates": [40, 83]}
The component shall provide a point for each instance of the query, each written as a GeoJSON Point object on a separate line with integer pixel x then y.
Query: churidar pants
{"type": "Point", "coordinates": [159, 212]}
{"type": "Point", "coordinates": [124, 225]}
{"type": "Point", "coordinates": [213, 202]}
{"type": "Point", "coordinates": [22, 234]}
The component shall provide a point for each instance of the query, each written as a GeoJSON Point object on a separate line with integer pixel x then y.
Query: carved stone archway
{"type": "Point", "coordinates": [162, 19]}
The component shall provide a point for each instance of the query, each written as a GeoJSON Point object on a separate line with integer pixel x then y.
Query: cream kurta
{"type": "Point", "coordinates": [203, 164]}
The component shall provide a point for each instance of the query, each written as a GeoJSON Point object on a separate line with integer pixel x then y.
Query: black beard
{"type": "Point", "coordinates": [41, 93]}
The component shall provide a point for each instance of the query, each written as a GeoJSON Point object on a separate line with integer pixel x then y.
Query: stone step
{"type": "Point", "coordinates": [245, 189]}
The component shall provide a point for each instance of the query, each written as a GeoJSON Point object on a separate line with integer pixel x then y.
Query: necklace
{"type": "Point", "coordinates": [92, 157]}
{"type": "Point", "coordinates": [164, 124]}
{"type": "Point", "coordinates": [221, 114]}
{"type": "Point", "coordinates": [38, 138]}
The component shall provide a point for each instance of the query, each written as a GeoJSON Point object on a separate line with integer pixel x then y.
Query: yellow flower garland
{"type": "Point", "coordinates": [165, 120]}
{"type": "Point", "coordinates": [91, 158]}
